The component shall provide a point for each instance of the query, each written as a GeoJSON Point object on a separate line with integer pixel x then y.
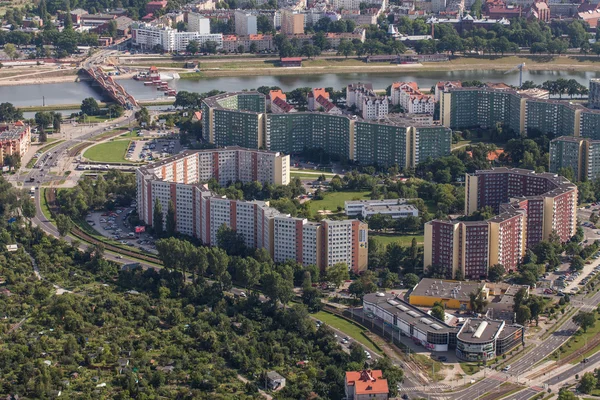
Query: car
{"type": "Point", "coordinates": [405, 396]}
{"type": "Point", "coordinates": [344, 341]}
{"type": "Point", "coordinates": [506, 369]}
{"type": "Point", "coordinates": [119, 257]}
{"type": "Point", "coordinates": [443, 358]}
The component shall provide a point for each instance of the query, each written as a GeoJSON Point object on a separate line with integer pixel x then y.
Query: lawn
{"type": "Point", "coordinates": [576, 342]}
{"type": "Point", "coordinates": [353, 331]}
{"type": "Point", "coordinates": [469, 368]}
{"type": "Point", "coordinates": [97, 118]}
{"type": "Point", "coordinates": [333, 200]}
{"type": "Point", "coordinates": [108, 134]}
{"type": "Point", "coordinates": [113, 151]}
{"type": "Point", "coordinates": [306, 174]}
{"type": "Point", "coordinates": [44, 205]}
{"type": "Point", "coordinates": [404, 240]}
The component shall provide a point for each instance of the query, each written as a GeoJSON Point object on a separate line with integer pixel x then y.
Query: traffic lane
{"type": "Point", "coordinates": [522, 395]}
{"type": "Point", "coordinates": [479, 388]}
{"type": "Point", "coordinates": [576, 369]}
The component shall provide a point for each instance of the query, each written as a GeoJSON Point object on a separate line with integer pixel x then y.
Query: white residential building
{"type": "Point", "coordinates": [374, 107]}
{"type": "Point", "coordinates": [148, 36]}
{"type": "Point", "coordinates": [421, 104]}
{"type": "Point", "coordinates": [198, 23]}
{"type": "Point", "coordinates": [396, 208]}
{"type": "Point", "coordinates": [245, 23]}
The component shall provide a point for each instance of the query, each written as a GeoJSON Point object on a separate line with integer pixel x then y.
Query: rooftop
{"type": "Point", "coordinates": [447, 289]}
{"type": "Point", "coordinates": [477, 330]}
{"type": "Point", "coordinates": [367, 382]}
{"type": "Point", "coordinates": [408, 313]}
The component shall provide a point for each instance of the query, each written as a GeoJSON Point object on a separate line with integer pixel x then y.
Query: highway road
{"type": "Point", "coordinates": [522, 395]}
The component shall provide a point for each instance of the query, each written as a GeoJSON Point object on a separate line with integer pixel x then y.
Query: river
{"type": "Point", "coordinates": [75, 92]}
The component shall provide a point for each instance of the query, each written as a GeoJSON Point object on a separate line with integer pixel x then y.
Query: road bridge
{"type": "Point", "coordinates": [114, 90]}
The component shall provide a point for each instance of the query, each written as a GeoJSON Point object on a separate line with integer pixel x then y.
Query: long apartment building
{"type": "Point", "coordinates": [530, 208]}
{"type": "Point", "coordinates": [485, 107]}
{"type": "Point", "coordinates": [240, 119]}
{"type": "Point", "coordinates": [200, 213]}
{"type": "Point", "coordinates": [14, 140]}
{"type": "Point", "coordinates": [147, 36]}
{"type": "Point", "coordinates": [408, 96]}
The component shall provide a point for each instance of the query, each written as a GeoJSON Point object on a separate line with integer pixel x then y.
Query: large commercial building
{"type": "Point", "coordinates": [200, 213]}
{"type": "Point", "coordinates": [494, 337]}
{"type": "Point", "coordinates": [240, 119]}
{"type": "Point", "coordinates": [14, 140]}
{"type": "Point", "coordinates": [147, 36]}
{"type": "Point", "coordinates": [530, 208]}
{"type": "Point", "coordinates": [485, 107]}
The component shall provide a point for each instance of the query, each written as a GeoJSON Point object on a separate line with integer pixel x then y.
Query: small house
{"type": "Point", "coordinates": [275, 381]}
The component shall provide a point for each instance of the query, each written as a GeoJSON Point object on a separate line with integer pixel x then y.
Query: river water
{"type": "Point", "coordinates": [75, 92]}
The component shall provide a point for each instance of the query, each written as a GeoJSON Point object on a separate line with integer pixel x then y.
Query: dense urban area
{"type": "Point", "coordinates": [333, 199]}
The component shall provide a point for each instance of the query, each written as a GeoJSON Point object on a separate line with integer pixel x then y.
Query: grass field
{"type": "Point", "coordinates": [108, 152]}
{"type": "Point", "coordinates": [305, 174]}
{"type": "Point", "coordinates": [469, 368]}
{"type": "Point", "coordinates": [404, 240]}
{"type": "Point", "coordinates": [332, 200]}
{"type": "Point", "coordinates": [353, 331]}
{"type": "Point", "coordinates": [44, 204]}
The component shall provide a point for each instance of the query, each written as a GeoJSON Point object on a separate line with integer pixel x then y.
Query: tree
{"type": "Point", "coordinates": [345, 48]}
{"type": "Point", "coordinates": [56, 121]}
{"type": "Point", "coordinates": [585, 320]}
{"type": "Point", "coordinates": [264, 24]}
{"type": "Point", "coordinates": [577, 264]}
{"type": "Point", "coordinates": [193, 47]}
{"type": "Point", "coordinates": [89, 106]}
{"type": "Point", "coordinates": [157, 218]}
{"type": "Point", "coordinates": [438, 312]}
{"type": "Point", "coordinates": [9, 113]}
{"type": "Point", "coordinates": [181, 26]}
{"type": "Point", "coordinates": [143, 116]}
{"type": "Point", "coordinates": [171, 225]}
{"type": "Point", "coordinates": [209, 46]}
{"type": "Point", "coordinates": [64, 224]}
{"type": "Point", "coordinates": [523, 314]}
{"type": "Point", "coordinates": [566, 394]}
{"type": "Point", "coordinates": [477, 301]}
{"type": "Point", "coordinates": [311, 297]}
{"type": "Point", "coordinates": [11, 51]}
{"type": "Point", "coordinates": [587, 383]}
{"type": "Point", "coordinates": [496, 273]}
{"type": "Point", "coordinates": [111, 29]}
{"type": "Point", "coordinates": [337, 274]}
{"type": "Point", "coordinates": [277, 288]}
{"type": "Point", "coordinates": [410, 280]}
{"type": "Point", "coordinates": [231, 241]}
{"type": "Point", "coordinates": [43, 119]}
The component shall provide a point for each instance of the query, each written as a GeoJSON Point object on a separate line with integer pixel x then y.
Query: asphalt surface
{"type": "Point", "coordinates": [522, 395]}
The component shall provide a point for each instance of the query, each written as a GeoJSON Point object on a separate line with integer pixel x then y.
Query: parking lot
{"type": "Point", "coordinates": [151, 150]}
{"type": "Point", "coordinates": [115, 225]}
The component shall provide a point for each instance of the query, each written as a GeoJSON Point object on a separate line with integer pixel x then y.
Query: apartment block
{"type": "Point", "coordinates": [522, 112]}
{"type": "Point", "coordinates": [240, 119]}
{"type": "Point", "coordinates": [530, 208]}
{"type": "Point", "coordinates": [594, 96]}
{"type": "Point", "coordinates": [579, 153]}
{"type": "Point", "coordinates": [234, 119]}
{"type": "Point", "coordinates": [14, 140]}
{"type": "Point", "coordinates": [198, 23]}
{"type": "Point", "coordinates": [292, 22]}
{"type": "Point", "coordinates": [147, 36]}
{"type": "Point", "coordinates": [201, 213]}
{"type": "Point", "coordinates": [245, 23]}
{"type": "Point", "coordinates": [411, 99]}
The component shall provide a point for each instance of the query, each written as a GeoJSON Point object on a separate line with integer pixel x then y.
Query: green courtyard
{"type": "Point", "coordinates": [113, 151]}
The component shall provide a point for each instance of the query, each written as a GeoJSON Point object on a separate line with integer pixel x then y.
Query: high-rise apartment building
{"type": "Point", "coordinates": [292, 22]}
{"type": "Point", "coordinates": [530, 208]}
{"type": "Point", "coordinates": [198, 23]}
{"type": "Point", "coordinates": [239, 119]}
{"type": "Point", "coordinates": [581, 154]}
{"type": "Point", "coordinates": [522, 112]}
{"type": "Point", "coordinates": [594, 96]}
{"type": "Point", "coordinates": [14, 140]}
{"type": "Point", "coordinates": [201, 213]}
{"type": "Point", "coordinates": [147, 36]}
{"type": "Point", "coordinates": [245, 23]}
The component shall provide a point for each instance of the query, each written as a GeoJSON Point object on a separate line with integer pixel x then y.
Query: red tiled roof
{"type": "Point", "coordinates": [325, 103]}
{"type": "Point", "coordinates": [319, 92]}
{"type": "Point", "coordinates": [291, 59]}
{"type": "Point", "coordinates": [282, 104]}
{"type": "Point", "coordinates": [367, 382]}
{"type": "Point", "coordinates": [277, 94]}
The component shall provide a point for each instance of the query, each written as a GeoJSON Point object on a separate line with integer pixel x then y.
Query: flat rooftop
{"type": "Point", "coordinates": [479, 331]}
{"type": "Point", "coordinates": [444, 289]}
{"type": "Point", "coordinates": [407, 313]}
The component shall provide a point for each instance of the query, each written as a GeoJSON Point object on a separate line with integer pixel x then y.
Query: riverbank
{"type": "Point", "coordinates": [352, 65]}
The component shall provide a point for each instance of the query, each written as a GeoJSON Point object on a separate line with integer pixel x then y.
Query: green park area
{"type": "Point", "coordinates": [403, 240]}
{"type": "Point", "coordinates": [113, 151]}
{"type": "Point", "coordinates": [332, 200]}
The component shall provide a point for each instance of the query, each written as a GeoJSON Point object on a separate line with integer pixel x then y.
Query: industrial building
{"type": "Point", "coordinates": [395, 208]}
{"type": "Point", "coordinates": [530, 208]}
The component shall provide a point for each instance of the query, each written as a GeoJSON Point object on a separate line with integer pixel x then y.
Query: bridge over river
{"type": "Point", "coordinates": [114, 90]}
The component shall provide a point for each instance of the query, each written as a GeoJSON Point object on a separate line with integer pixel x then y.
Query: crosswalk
{"type": "Point", "coordinates": [427, 388]}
